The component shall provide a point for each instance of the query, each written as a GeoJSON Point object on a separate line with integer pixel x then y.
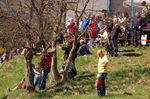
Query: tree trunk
{"type": "Point", "coordinates": [57, 76]}
{"type": "Point", "coordinates": [69, 60]}
{"type": "Point", "coordinates": [29, 76]}
{"type": "Point", "coordinates": [56, 30]}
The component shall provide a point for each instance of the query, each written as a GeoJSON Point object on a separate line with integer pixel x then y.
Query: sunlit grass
{"type": "Point", "coordinates": [128, 77]}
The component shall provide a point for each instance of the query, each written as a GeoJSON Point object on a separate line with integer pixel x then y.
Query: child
{"type": "Point", "coordinates": [102, 72]}
{"type": "Point", "coordinates": [38, 76]}
{"type": "Point", "coordinates": [19, 86]}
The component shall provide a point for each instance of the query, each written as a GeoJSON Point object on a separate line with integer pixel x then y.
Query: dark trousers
{"type": "Point", "coordinates": [102, 91]}
{"type": "Point", "coordinates": [108, 45]}
{"type": "Point", "coordinates": [43, 84]}
{"type": "Point", "coordinates": [114, 46]}
{"type": "Point", "coordinates": [137, 38]}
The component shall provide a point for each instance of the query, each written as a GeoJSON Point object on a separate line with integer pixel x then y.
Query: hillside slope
{"type": "Point", "coordinates": [128, 77]}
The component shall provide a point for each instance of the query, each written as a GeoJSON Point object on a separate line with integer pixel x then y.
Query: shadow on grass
{"type": "Point", "coordinates": [119, 95]}
{"type": "Point", "coordinates": [132, 55]}
{"type": "Point", "coordinates": [5, 97]}
{"type": "Point", "coordinates": [127, 51]}
{"type": "Point", "coordinates": [82, 84]}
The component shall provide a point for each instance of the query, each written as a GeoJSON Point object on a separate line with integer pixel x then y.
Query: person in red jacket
{"type": "Point", "coordinates": [45, 63]}
{"type": "Point", "coordinates": [91, 30]}
{"type": "Point", "coordinates": [71, 27]}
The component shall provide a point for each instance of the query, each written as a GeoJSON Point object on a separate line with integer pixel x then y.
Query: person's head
{"type": "Point", "coordinates": [110, 20]}
{"type": "Point", "coordinates": [92, 17]}
{"type": "Point", "coordinates": [69, 43]}
{"type": "Point", "coordinates": [100, 53]}
{"type": "Point", "coordinates": [143, 3]}
{"type": "Point", "coordinates": [125, 14]}
{"type": "Point", "coordinates": [137, 14]}
{"type": "Point", "coordinates": [88, 15]}
{"type": "Point", "coordinates": [115, 20]}
{"type": "Point", "coordinates": [103, 14]}
{"type": "Point", "coordinates": [81, 42]}
{"type": "Point", "coordinates": [18, 50]}
{"type": "Point", "coordinates": [98, 18]}
{"type": "Point", "coordinates": [38, 67]}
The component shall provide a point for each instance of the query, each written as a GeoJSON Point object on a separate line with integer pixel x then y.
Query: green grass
{"type": "Point", "coordinates": [128, 77]}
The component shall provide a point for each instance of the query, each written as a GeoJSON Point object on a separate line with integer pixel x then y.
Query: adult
{"type": "Point", "coordinates": [85, 22]}
{"type": "Point", "coordinates": [138, 26]}
{"type": "Point", "coordinates": [145, 10]}
{"type": "Point", "coordinates": [72, 72]}
{"type": "Point", "coordinates": [71, 27]}
{"type": "Point", "coordinates": [123, 24]}
{"type": "Point", "coordinates": [114, 36]}
{"type": "Point", "coordinates": [45, 63]}
{"type": "Point", "coordinates": [91, 30]}
{"type": "Point", "coordinates": [83, 49]}
{"type": "Point", "coordinates": [67, 50]}
{"type": "Point", "coordinates": [109, 29]}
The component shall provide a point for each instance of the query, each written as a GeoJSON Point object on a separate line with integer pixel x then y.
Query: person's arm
{"type": "Point", "coordinates": [38, 54]}
{"type": "Point", "coordinates": [105, 60]}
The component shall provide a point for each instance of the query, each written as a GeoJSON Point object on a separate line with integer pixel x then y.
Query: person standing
{"type": "Point", "coordinates": [102, 73]}
{"type": "Point", "coordinates": [145, 10]}
{"type": "Point", "coordinates": [114, 36]}
{"type": "Point", "coordinates": [138, 26]}
{"type": "Point", "coordinates": [45, 63]}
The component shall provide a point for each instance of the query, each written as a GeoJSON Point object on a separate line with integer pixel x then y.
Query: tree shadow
{"type": "Point", "coordinates": [132, 54]}
{"type": "Point", "coordinates": [127, 51]}
{"type": "Point", "coordinates": [119, 95]}
{"type": "Point", "coordinates": [82, 84]}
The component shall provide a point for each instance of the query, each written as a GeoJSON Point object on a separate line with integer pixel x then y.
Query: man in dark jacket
{"type": "Point", "coordinates": [114, 37]}
{"type": "Point", "coordinates": [138, 26]}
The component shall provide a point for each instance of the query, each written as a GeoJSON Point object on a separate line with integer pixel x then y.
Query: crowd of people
{"type": "Point", "coordinates": [94, 31]}
{"type": "Point", "coordinates": [8, 55]}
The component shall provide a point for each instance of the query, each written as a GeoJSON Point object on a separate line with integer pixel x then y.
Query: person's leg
{"type": "Point", "coordinates": [103, 84]}
{"type": "Point", "coordinates": [98, 92]}
{"type": "Point", "coordinates": [116, 46]}
{"type": "Point", "coordinates": [39, 82]}
{"type": "Point", "coordinates": [43, 84]}
{"type": "Point", "coordinates": [139, 38]}
{"type": "Point", "coordinates": [135, 39]}
{"type": "Point", "coordinates": [113, 47]}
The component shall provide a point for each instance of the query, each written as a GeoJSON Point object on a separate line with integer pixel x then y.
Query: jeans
{"type": "Point", "coordinates": [102, 91]}
{"type": "Point", "coordinates": [37, 81]}
{"type": "Point", "coordinates": [43, 84]}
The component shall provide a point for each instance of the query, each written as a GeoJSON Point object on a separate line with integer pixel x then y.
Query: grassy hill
{"type": "Point", "coordinates": [128, 77]}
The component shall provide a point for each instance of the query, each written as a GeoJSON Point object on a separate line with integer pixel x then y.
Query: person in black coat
{"type": "Point", "coordinates": [114, 37]}
{"type": "Point", "coordinates": [138, 26]}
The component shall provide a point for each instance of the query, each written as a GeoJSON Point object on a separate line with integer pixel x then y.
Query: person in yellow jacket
{"type": "Point", "coordinates": [145, 10]}
{"type": "Point", "coordinates": [102, 71]}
